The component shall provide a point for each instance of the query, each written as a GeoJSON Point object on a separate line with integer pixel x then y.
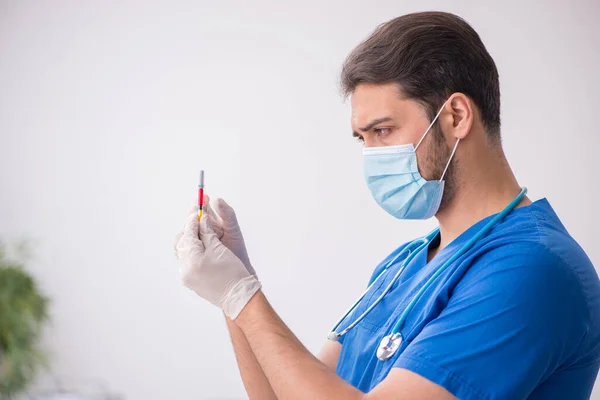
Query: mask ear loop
{"type": "Point", "coordinates": [451, 155]}
{"type": "Point", "coordinates": [430, 125]}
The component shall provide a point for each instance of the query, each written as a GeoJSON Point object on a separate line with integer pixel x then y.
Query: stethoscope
{"type": "Point", "coordinates": [390, 343]}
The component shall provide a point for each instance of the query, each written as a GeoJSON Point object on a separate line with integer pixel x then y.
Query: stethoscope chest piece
{"type": "Point", "coordinates": [388, 345]}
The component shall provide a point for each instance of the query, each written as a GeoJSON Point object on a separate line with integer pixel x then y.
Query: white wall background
{"type": "Point", "coordinates": [108, 109]}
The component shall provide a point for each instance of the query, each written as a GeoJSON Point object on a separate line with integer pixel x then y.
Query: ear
{"type": "Point", "coordinates": [457, 118]}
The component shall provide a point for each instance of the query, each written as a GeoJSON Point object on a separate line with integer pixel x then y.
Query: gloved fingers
{"type": "Point", "coordinates": [207, 234]}
{"type": "Point", "coordinates": [214, 216]}
{"type": "Point", "coordinates": [227, 213]}
{"type": "Point", "coordinates": [193, 209]}
{"type": "Point", "coordinates": [217, 227]}
{"type": "Point", "coordinates": [190, 238]}
{"type": "Point", "coordinates": [175, 242]}
{"type": "Point", "coordinates": [215, 220]}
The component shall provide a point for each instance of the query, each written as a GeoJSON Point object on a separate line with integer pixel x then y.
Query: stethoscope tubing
{"type": "Point", "coordinates": [412, 249]}
{"type": "Point", "coordinates": [418, 245]}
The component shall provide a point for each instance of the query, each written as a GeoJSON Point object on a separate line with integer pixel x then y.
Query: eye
{"type": "Point", "coordinates": [359, 139]}
{"type": "Point", "coordinates": [382, 131]}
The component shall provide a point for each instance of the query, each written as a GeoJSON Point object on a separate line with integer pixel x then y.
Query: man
{"type": "Point", "coordinates": [506, 305]}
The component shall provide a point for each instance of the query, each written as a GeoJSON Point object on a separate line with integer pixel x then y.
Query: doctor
{"type": "Point", "coordinates": [500, 303]}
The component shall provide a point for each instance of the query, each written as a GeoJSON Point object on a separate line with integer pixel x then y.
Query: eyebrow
{"type": "Point", "coordinates": [371, 125]}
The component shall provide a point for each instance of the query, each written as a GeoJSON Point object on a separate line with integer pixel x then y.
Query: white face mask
{"type": "Point", "coordinates": [393, 177]}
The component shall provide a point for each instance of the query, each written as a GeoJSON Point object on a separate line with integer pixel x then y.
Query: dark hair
{"type": "Point", "coordinates": [430, 55]}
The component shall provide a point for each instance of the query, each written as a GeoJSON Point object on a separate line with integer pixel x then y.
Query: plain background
{"type": "Point", "coordinates": [108, 109]}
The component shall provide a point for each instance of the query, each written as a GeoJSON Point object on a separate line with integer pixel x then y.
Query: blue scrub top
{"type": "Point", "coordinates": [516, 317]}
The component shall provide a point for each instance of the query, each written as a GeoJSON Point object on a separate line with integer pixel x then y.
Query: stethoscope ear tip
{"type": "Point", "coordinates": [333, 336]}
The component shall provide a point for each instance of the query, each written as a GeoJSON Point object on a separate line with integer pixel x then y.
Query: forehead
{"type": "Point", "coordinates": [371, 101]}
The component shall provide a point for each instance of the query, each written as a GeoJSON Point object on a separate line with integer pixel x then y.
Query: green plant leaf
{"type": "Point", "coordinates": [23, 313]}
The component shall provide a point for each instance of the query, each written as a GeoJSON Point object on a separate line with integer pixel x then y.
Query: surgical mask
{"type": "Point", "coordinates": [393, 177]}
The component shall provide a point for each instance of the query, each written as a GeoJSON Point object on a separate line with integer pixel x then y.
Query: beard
{"type": "Point", "coordinates": [437, 155]}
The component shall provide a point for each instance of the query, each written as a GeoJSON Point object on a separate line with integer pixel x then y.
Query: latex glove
{"type": "Point", "coordinates": [212, 270]}
{"type": "Point", "coordinates": [213, 219]}
{"type": "Point", "coordinates": [231, 233]}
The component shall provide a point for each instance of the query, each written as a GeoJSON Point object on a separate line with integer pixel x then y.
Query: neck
{"type": "Point", "coordinates": [484, 192]}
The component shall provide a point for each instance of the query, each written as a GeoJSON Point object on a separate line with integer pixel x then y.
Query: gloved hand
{"type": "Point", "coordinates": [224, 223]}
{"type": "Point", "coordinates": [231, 233]}
{"type": "Point", "coordinates": [211, 269]}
